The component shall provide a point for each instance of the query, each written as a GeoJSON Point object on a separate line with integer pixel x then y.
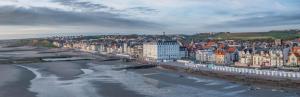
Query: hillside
{"type": "Point", "coordinates": [285, 35]}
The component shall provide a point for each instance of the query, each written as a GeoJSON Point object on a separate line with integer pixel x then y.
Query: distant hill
{"type": "Point", "coordinates": [285, 35]}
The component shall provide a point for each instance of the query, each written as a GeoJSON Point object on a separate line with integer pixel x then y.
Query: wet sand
{"type": "Point", "coordinates": [65, 70]}
{"type": "Point", "coordinates": [103, 80]}
{"type": "Point", "coordinates": [114, 90]}
{"type": "Point", "coordinates": [15, 81]}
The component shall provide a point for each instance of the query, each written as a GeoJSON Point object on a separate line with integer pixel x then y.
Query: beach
{"type": "Point", "coordinates": [101, 77]}
{"type": "Point", "coordinates": [103, 80]}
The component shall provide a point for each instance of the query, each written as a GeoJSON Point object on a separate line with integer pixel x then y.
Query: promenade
{"type": "Point", "coordinates": [275, 74]}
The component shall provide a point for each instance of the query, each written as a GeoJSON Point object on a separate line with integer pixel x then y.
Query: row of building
{"type": "Point", "coordinates": [254, 56]}
{"type": "Point", "coordinates": [158, 51]}
{"type": "Point", "coordinates": [227, 52]}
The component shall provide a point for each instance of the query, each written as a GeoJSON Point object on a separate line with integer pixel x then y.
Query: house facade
{"type": "Point", "coordinates": [161, 51]}
{"type": "Point", "coordinates": [294, 59]}
{"type": "Point", "coordinates": [205, 56]}
{"type": "Point", "coordinates": [245, 58]}
{"type": "Point", "coordinates": [277, 58]}
{"type": "Point", "coordinates": [220, 57]}
{"type": "Point", "coordinates": [231, 56]}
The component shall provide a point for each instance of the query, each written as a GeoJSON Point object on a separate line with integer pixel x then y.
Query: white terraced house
{"type": "Point", "coordinates": [205, 56]}
{"type": "Point", "coordinates": [160, 51]}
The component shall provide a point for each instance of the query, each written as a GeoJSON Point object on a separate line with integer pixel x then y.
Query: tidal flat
{"type": "Point", "coordinates": [99, 78]}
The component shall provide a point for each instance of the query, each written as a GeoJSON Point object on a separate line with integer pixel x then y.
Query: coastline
{"type": "Point", "coordinates": [136, 80]}
{"type": "Point", "coordinates": [238, 78]}
{"type": "Point", "coordinates": [103, 79]}
{"type": "Point", "coordinates": [256, 80]}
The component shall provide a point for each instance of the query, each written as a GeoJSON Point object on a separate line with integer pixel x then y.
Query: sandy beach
{"type": "Point", "coordinates": [103, 80]}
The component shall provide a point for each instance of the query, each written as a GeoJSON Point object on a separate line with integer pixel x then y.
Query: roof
{"type": "Point", "coordinates": [220, 52]}
{"type": "Point", "coordinates": [161, 42]}
{"type": "Point", "coordinates": [296, 49]}
{"type": "Point", "coordinates": [296, 54]}
{"type": "Point", "coordinates": [210, 43]}
{"type": "Point", "coordinates": [222, 45]}
{"type": "Point", "coordinates": [231, 49]}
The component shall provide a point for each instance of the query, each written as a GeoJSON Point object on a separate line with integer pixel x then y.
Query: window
{"type": "Point", "coordinates": [293, 59]}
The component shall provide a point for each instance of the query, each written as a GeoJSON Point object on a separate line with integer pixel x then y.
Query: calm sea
{"type": "Point", "coordinates": [25, 36]}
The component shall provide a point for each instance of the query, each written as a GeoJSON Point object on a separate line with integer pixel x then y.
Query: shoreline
{"type": "Point", "coordinates": [239, 78]}
{"type": "Point", "coordinates": [135, 79]}
{"type": "Point", "coordinates": [227, 76]}
{"type": "Point", "coordinates": [277, 82]}
{"type": "Point", "coordinates": [280, 83]}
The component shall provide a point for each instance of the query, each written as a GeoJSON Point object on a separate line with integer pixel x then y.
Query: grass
{"type": "Point", "coordinates": [284, 35]}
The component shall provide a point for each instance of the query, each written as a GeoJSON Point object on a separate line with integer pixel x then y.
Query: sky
{"type": "Point", "coordinates": [147, 16]}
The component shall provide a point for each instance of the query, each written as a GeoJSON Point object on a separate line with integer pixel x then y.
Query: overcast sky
{"type": "Point", "coordinates": [147, 16]}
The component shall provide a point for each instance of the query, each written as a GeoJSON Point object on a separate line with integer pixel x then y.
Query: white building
{"type": "Point", "coordinates": [125, 45]}
{"type": "Point", "coordinates": [245, 58]}
{"type": "Point", "coordinates": [277, 58]}
{"type": "Point", "coordinates": [161, 51]}
{"type": "Point", "coordinates": [57, 44]}
{"type": "Point", "coordinates": [205, 56]}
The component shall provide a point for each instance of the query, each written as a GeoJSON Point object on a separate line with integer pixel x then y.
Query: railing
{"type": "Point", "coordinates": [245, 71]}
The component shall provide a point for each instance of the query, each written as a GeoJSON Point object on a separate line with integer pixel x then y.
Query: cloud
{"type": "Point", "coordinates": [88, 6]}
{"type": "Point", "coordinates": [144, 10]}
{"type": "Point", "coordinates": [262, 20]}
{"type": "Point", "coordinates": [10, 15]}
{"type": "Point", "coordinates": [152, 15]}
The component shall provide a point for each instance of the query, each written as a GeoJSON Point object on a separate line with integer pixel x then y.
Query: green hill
{"type": "Point", "coordinates": [285, 35]}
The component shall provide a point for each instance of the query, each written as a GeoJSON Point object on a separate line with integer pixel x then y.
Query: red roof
{"type": "Point", "coordinates": [231, 49]}
{"type": "Point", "coordinates": [296, 49]}
{"type": "Point", "coordinates": [210, 43]}
{"type": "Point", "coordinates": [297, 55]}
{"type": "Point", "coordinates": [220, 52]}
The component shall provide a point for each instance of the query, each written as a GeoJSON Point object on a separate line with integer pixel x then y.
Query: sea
{"type": "Point", "coordinates": [44, 35]}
